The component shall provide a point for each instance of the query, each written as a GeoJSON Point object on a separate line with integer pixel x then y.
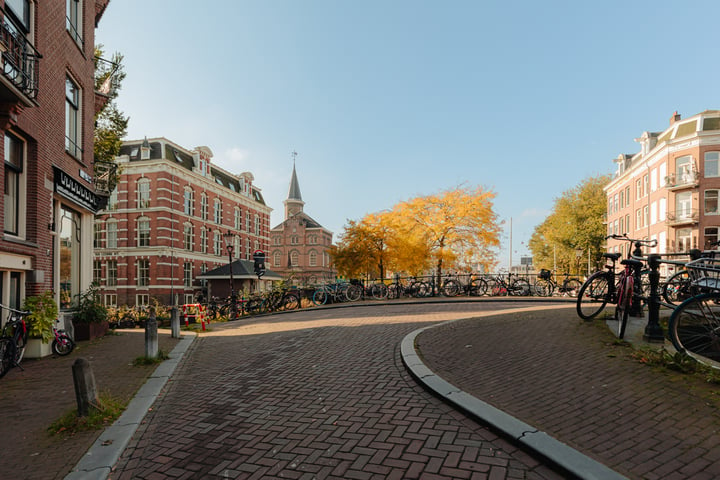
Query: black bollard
{"type": "Point", "coordinates": [653, 330]}
{"type": "Point", "coordinates": [85, 389]}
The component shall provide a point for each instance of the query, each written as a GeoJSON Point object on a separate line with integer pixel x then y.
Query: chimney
{"type": "Point", "coordinates": [675, 118]}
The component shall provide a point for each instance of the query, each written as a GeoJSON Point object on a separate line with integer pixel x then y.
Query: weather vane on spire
{"type": "Point", "coordinates": [294, 154]}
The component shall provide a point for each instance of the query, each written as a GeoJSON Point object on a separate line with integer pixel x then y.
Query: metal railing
{"type": "Point", "coordinates": [20, 59]}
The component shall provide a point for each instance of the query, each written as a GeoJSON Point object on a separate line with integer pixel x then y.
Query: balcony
{"type": "Point", "coordinates": [20, 63]}
{"type": "Point", "coordinates": [682, 217]}
{"type": "Point", "coordinates": [106, 178]}
{"type": "Point", "coordinates": [684, 180]}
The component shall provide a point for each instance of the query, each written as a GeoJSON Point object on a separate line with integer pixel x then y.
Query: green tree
{"type": "Point", "coordinates": [574, 228]}
{"type": "Point", "coordinates": [110, 123]}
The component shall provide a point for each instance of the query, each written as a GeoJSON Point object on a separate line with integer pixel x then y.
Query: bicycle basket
{"type": "Point", "coordinates": [544, 274]}
{"type": "Point", "coordinates": [705, 273]}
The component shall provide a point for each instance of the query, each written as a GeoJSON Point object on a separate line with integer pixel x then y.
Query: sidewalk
{"type": "Point", "coordinates": [576, 386]}
{"type": "Point", "coordinates": [33, 398]}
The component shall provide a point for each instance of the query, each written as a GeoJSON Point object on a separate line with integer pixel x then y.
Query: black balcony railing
{"type": "Point", "coordinates": [20, 59]}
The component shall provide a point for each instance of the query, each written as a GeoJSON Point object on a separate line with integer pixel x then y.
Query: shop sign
{"type": "Point", "coordinates": [73, 190]}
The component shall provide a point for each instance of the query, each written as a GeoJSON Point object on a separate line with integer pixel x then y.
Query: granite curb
{"type": "Point", "coordinates": [99, 460]}
{"type": "Point", "coordinates": [560, 454]}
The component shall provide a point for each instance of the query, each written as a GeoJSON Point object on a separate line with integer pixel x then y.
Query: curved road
{"type": "Point", "coordinates": [316, 394]}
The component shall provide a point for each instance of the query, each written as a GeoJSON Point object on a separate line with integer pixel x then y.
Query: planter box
{"type": "Point", "coordinates": [36, 349]}
{"type": "Point", "coordinates": [88, 331]}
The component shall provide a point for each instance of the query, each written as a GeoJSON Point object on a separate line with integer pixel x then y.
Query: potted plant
{"type": "Point", "coordinates": [90, 317]}
{"type": "Point", "coordinates": [43, 313]}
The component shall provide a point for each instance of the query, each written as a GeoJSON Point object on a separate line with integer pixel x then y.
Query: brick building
{"type": "Point", "coordinates": [167, 223]}
{"type": "Point", "coordinates": [300, 245]}
{"type": "Point", "coordinates": [669, 191]}
{"type": "Point", "coordinates": [47, 106]}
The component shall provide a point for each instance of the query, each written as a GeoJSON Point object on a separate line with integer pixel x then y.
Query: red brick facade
{"type": "Point", "coordinates": [50, 172]}
{"type": "Point", "coordinates": [186, 195]}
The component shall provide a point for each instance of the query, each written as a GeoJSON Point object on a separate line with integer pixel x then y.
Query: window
{"type": "Point", "coordinates": [97, 271]}
{"type": "Point", "coordinates": [112, 273]}
{"type": "Point", "coordinates": [203, 240]}
{"type": "Point", "coordinates": [204, 206]}
{"type": "Point", "coordinates": [312, 258]}
{"type": "Point", "coordinates": [72, 119]}
{"type": "Point", "coordinates": [683, 205]}
{"type": "Point", "coordinates": [294, 240]}
{"type": "Point", "coordinates": [248, 219]}
{"type": "Point", "coordinates": [218, 211]}
{"type": "Point", "coordinates": [113, 201]}
{"type": "Point", "coordinates": [188, 201]}
{"type": "Point", "coordinates": [622, 199]}
{"type": "Point", "coordinates": [638, 218]}
{"type": "Point", "coordinates": [97, 234]}
{"type": "Point", "coordinates": [238, 218]}
{"type": "Point", "coordinates": [15, 176]}
{"type": "Point", "coordinates": [627, 196]}
{"type": "Point", "coordinates": [711, 202]}
{"type": "Point", "coordinates": [110, 300]}
{"type": "Point", "coordinates": [74, 20]}
{"type": "Point", "coordinates": [143, 232]}
{"type": "Point", "coordinates": [711, 164]}
{"type": "Point", "coordinates": [143, 193]}
{"type": "Point", "coordinates": [616, 205]}
{"type": "Point", "coordinates": [20, 12]}
{"type": "Point", "coordinates": [188, 236]}
{"type": "Point", "coordinates": [712, 235]}
{"type": "Point", "coordinates": [257, 225]}
{"type": "Point", "coordinates": [294, 258]}
{"type": "Point", "coordinates": [217, 243]}
{"type": "Point", "coordinates": [277, 258]}
{"type": "Point", "coordinates": [189, 298]}
{"type": "Point", "coordinates": [638, 189]}
{"type": "Point", "coordinates": [143, 273]}
{"type": "Point", "coordinates": [683, 239]}
{"type": "Point", "coordinates": [653, 180]}
{"type": "Point", "coordinates": [683, 170]}
{"type": "Point", "coordinates": [142, 300]}
{"type": "Point", "coordinates": [70, 259]}
{"type": "Point", "coordinates": [187, 274]}
{"type": "Point", "coordinates": [112, 234]}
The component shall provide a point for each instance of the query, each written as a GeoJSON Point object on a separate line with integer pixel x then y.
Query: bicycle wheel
{"type": "Point", "coordinates": [451, 288]}
{"type": "Point", "coordinates": [254, 306]}
{"type": "Point", "coordinates": [678, 288]}
{"type": "Point", "coordinates": [593, 295]}
{"type": "Point", "coordinates": [379, 291]}
{"type": "Point", "coordinates": [625, 295]}
{"type": "Point", "coordinates": [20, 344]}
{"type": "Point", "coordinates": [5, 356]}
{"type": "Point", "coordinates": [519, 287]}
{"type": "Point", "coordinates": [62, 345]}
{"type": "Point", "coordinates": [478, 287]}
{"type": "Point", "coordinates": [394, 291]}
{"type": "Point", "coordinates": [543, 288]}
{"type": "Point", "coordinates": [694, 327]}
{"type": "Point", "coordinates": [571, 287]}
{"type": "Point", "coordinates": [320, 297]}
{"type": "Point", "coordinates": [353, 293]}
{"type": "Point", "coordinates": [291, 301]}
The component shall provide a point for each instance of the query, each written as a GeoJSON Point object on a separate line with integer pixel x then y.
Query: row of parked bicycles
{"type": "Point", "coordinates": [691, 295]}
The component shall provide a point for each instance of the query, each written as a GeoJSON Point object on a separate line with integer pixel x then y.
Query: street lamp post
{"type": "Point", "coordinates": [233, 297]}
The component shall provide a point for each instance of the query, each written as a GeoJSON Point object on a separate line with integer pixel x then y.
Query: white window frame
{"type": "Point", "coordinates": [709, 160]}
{"type": "Point", "coordinates": [143, 232]}
{"type": "Point", "coordinates": [714, 193]}
{"type": "Point", "coordinates": [111, 233]}
{"type": "Point", "coordinates": [15, 209]}
{"type": "Point", "coordinates": [142, 196]}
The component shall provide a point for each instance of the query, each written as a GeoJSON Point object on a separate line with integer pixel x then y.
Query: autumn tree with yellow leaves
{"type": "Point", "coordinates": [455, 228]}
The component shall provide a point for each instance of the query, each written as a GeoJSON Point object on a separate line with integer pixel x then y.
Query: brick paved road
{"type": "Point", "coordinates": [572, 380]}
{"type": "Point", "coordinates": [315, 394]}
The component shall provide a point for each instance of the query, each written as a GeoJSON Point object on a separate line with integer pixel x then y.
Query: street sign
{"type": "Point", "coordinates": [259, 257]}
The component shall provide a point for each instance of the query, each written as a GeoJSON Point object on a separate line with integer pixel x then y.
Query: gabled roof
{"type": "Point", "coordinates": [303, 218]}
{"type": "Point", "coordinates": [241, 269]}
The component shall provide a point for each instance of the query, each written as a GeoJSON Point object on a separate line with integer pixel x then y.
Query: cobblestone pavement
{"type": "Point", "coordinates": [316, 394]}
{"type": "Point", "coordinates": [33, 398]}
{"type": "Point", "coordinates": [574, 381]}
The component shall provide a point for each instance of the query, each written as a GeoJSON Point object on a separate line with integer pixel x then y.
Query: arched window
{"type": "Point", "coordinates": [188, 236]}
{"type": "Point", "coordinates": [111, 234]}
{"type": "Point", "coordinates": [294, 258]}
{"type": "Point", "coordinates": [277, 258]}
{"type": "Point", "coordinates": [143, 193]}
{"type": "Point", "coordinates": [218, 211]}
{"type": "Point", "coordinates": [312, 258]}
{"type": "Point", "coordinates": [204, 206]}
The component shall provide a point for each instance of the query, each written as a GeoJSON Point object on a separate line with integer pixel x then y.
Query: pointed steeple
{"type": "Point", "coordinates": [294, 203]}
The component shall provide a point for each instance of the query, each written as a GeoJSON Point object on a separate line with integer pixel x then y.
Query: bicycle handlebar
{"type": "Point", "coordinates": [24, 313]}
{"type": "Point", "coordinates": [638, 241]}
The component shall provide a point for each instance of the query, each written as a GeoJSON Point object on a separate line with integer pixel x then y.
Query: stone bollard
{"type": "Point", "coordinates": [151, 336]}
{"type": "Point", "coordinates": [175, 322]}
{"type": "Point", "coordinates": [85, 389]}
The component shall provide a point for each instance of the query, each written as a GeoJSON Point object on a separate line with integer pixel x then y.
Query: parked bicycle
{"type": "Point", "coordinates": [13, 339]}
{"type": "Point", "coordinates": [605, 287]}
{"type": "Point", "coordinates": [62, 344]}
{"type": "Point", "coordinates": [508, 285]}
{"type": "Point", "coordinates": [454, 286]}
{"type": "Point", "coordinates": [545, 285]}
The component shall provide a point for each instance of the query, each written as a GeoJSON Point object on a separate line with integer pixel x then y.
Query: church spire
{"type": "Point", "coordinates": [294, 203]}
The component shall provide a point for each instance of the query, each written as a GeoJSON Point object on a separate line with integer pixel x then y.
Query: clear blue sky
{"type": "Point", "coordinates": [388, 100]}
